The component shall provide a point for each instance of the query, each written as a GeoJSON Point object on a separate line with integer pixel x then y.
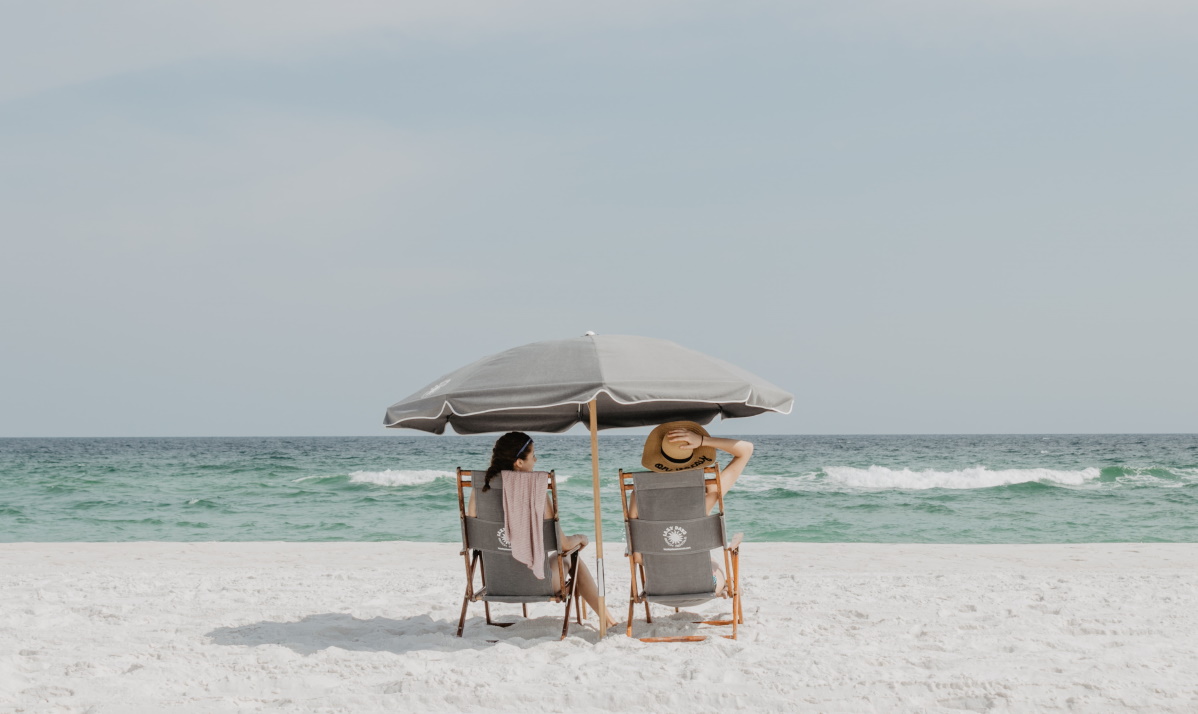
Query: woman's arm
{"type": "Point", "coordinates": [741, 452]}
{"type": "Point", "coordinates": [570, 541]}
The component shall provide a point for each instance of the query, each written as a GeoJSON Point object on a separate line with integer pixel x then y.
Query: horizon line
{"type": "Point", "coordinates": [604, 433]}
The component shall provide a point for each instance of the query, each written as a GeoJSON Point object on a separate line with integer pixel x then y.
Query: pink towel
{"type": "Point", "coordinates": [524, 516]}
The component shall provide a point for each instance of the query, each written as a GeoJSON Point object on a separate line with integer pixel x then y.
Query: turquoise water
{"type": "Point", "coordinates": [909, 489]}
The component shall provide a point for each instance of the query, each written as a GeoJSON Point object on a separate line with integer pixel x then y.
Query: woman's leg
{"type": "Point", "coordinates": [717, 575]}
{"type": "Point", "coordinates": [585, 587]}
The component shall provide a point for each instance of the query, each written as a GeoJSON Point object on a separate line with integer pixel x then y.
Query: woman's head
{"type": "Point", "coordinates": [662, 455]}
{"type": "Point", "coordinates": [513, 451]}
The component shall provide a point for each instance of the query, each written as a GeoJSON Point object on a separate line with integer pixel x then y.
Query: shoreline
{"type": "Point", "coordinates": [363, 627]}
{"type": "Point", "coordinates": [1095, 554]}
{"type": "Point", "coordinates": [826, 557]}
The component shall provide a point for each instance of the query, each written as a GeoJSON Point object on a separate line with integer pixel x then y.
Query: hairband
{"type": "Point", "coordinates": [522, 448]}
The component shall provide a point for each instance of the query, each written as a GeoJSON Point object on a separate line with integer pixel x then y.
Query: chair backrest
{"type": "Point", "coordinates": [503, 575]}
{"type": "Point", "coordinates": [673, 533]}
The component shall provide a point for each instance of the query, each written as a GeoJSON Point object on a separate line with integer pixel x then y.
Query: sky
{"type": "Point", "coordinates": [278, 218]}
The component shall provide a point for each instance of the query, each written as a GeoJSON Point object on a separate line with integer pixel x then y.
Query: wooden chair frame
{"type": "Point", "coordinates": [711, 475]}
{"type": "Point", "coordinates": [473, 559]}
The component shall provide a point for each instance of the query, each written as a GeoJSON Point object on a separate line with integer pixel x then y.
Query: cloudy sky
{"type": "Point", "coordinates": [277, 218]}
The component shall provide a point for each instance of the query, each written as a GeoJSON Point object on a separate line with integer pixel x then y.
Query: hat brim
{"type": "Point", "coordinates": [654, 459]}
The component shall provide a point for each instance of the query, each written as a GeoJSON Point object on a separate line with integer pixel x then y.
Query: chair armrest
{"type": "Point", "coordinates": [573, 550]}
{"type": "Point", "coordinates": [734, 546]}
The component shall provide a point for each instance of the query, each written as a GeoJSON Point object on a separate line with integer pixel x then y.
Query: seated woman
{"type": "Point", "coordinates": [685, 445]}
{"type": "Point", "coordinates": [515, 451]}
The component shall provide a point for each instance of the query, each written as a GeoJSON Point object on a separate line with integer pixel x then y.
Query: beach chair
{"type": "Point", "coordinates": [486, 551]}
{"type": "Point", "coordinates": [674, 537]}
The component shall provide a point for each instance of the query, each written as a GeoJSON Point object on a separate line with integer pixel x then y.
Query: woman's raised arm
{"type": "Point", "coordinates": [741, 452]}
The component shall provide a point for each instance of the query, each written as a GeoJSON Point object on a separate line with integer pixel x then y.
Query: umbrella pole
{"type": "Point", "coordinates": [598, 520]}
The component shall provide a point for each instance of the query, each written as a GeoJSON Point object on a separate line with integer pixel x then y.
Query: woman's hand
{"type": "Point", "coordinates": [685, 438]}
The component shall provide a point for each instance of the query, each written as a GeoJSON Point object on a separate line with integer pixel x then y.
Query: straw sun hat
{"type": "Point", "coordinates": [660, 455]}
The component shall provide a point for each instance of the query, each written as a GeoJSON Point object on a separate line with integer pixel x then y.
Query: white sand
{"type": "Point", "coordinates": [330, 627]}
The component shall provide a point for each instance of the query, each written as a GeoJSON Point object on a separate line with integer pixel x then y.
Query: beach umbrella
{"type": "Point", "coordinates": [605, 381]}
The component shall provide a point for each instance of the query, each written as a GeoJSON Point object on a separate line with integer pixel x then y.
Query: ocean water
{"type": "Point", "coordinates": [888, 489]}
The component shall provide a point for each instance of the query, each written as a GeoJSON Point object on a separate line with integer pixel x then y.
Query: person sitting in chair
{"type": "Point", "coordinates": [515, 451]}
{"type": "Point", "coordinates": [685, 445]}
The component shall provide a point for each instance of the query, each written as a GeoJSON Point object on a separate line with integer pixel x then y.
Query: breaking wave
{"type": "Point", "coordinates": [399, 478]}
{"type": "Point", "coordinates": [880, 477]}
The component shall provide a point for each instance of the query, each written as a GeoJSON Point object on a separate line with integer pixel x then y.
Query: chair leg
{"type": "Point", "coordinates": [570, 596]}
{"type": "Point", "coordinates": [524, 607]}
{"type": "Point", "coordinates": [631, 594]}
{"type": "Point", "coordinates": [739, 614]}
{"type": "Point", "coordinates": [648, 616]}
{"type": "Point", "coordinates": [487, 607]}
{"type": "Point", "coordinates": [462, 619]}
{"type": "Point", "coordinates": [566, 619]}
{"type": "Point", "coordinates": [469, 588]}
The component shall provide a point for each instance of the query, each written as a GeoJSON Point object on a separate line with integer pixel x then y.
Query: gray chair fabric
{"type": "Point", "coordinates": [486, 549]}
{"type": "Point", "coordinates": [675, 537]}
{"type": "Point", "coordinates": [506, 579]}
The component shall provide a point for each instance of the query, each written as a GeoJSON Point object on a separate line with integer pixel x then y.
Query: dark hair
{"type": "Point", "coordinates": [508, 448]}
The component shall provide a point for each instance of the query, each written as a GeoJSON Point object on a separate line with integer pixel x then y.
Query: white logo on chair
{"type": "Point", "coordinates": [503, 541]}
{"type": "Point", "coordinates": [675, 537]}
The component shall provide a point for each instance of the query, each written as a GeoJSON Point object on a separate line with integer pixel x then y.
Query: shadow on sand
{"type": "Point", "coordinates": [380, 634]}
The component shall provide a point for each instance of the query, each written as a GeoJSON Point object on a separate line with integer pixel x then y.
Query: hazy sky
{"type": "Point", "coordinates": [238, 218]}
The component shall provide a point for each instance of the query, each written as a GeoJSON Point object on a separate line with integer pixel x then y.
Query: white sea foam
{"type": "Point", "coordinates": [880, 477]}
{"type": "Point", "coordinates": [399, 478]}
{"type": "Point", "coordinates": [810, 481]}
{"type": "Point", "coordinates": [406, 478]}
{"type": "Point", "coordinates": [1144, 476]}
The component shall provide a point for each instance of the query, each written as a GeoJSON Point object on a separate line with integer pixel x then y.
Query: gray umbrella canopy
{"type": "Point", "coordinates": [547, 386]}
